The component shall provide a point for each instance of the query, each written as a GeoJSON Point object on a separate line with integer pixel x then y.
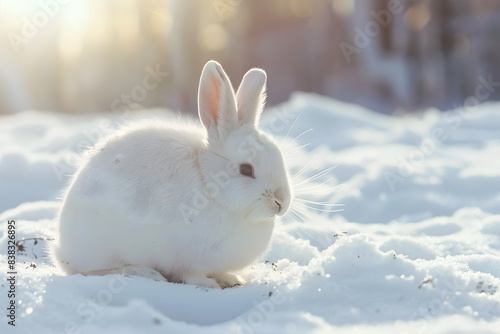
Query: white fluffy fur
{"type": "Point", "coordinates": [169, 197]}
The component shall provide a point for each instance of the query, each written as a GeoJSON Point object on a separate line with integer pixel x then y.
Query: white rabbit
{"type": "Point", "coordinates": [172, 201]}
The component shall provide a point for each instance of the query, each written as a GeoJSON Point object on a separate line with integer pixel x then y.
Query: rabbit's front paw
{"type": "Point", "coordinates": [228, 280]}
{"type": "Point", "coordinates": [143, 272]}
{"type": "Point", "coordinates": [129, 271]}
{"type": "Point", "coordinates": [201, 280]}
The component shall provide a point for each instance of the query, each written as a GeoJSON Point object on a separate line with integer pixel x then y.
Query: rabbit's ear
{"type": "Point", "coordinates": [251, 96]}
{"type": "Point", "coordinates": [216, 102]}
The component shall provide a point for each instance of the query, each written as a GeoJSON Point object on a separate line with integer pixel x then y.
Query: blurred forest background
{"type": "Point", "coordinates": [80, 56]}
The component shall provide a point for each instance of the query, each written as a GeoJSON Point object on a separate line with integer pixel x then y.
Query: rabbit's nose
{"type": "Point", "coordinates": [279, 205]}
{"type": "Point", "coordinates": [282, 199]}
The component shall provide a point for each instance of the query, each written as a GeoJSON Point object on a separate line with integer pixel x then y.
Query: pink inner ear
{"type": "Point", "coordinates": [214, 98]}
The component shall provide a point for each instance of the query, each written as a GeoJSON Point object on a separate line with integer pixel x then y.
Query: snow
{"type": "Point", "coordinates": [415, 249]}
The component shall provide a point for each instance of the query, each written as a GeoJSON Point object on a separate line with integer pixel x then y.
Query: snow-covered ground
{"type": "Point", "coordinates": [415, 249]}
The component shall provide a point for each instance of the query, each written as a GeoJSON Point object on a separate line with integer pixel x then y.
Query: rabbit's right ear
{"type": "Point", "coordinates": [251, 96]}
{"type": "Point", "coordinates": [216, 102]}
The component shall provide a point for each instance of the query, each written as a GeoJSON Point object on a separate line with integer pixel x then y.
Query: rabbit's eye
{"type": "Point", "coordinates": [247, 170]}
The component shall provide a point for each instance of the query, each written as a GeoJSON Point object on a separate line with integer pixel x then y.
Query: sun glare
{"type": "Point", "coordinates": [74, 20]}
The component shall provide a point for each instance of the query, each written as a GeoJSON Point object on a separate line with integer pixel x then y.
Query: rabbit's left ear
{"type": "Point", "coordinates": [216, 102]}
{"type": "Point", "coordinates": [251, 96]}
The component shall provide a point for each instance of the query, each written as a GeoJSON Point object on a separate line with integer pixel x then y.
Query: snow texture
{"type": "Point", "coordinates": [415, 249]}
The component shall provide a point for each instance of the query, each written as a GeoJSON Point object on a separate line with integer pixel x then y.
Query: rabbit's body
{"type": "Point", "coordinates": [167, 196]}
